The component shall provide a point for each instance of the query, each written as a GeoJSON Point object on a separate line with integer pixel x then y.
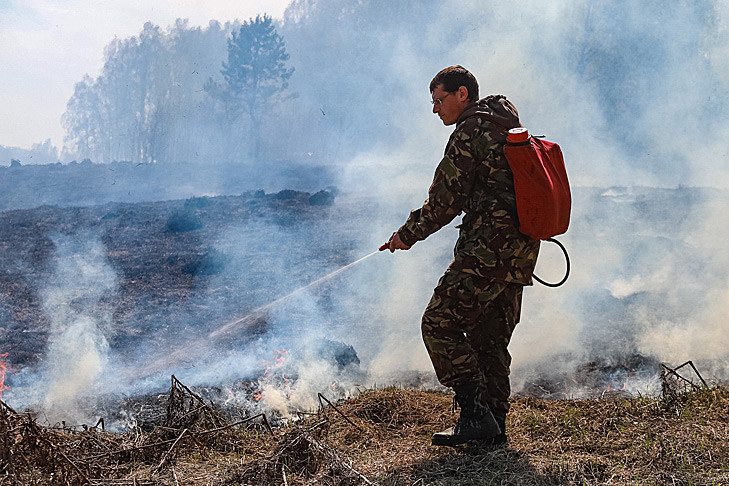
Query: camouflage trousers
{"type": "Point", "coordinates": [467, 327]}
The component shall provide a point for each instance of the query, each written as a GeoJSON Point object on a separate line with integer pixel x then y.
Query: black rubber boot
{"type": "Point", "coordinates": [501, 438]}
{"type": "Point", "coordinates": [476, 422]}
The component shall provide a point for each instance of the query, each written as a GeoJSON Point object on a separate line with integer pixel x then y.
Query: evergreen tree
{"type": "Point", "coordinates": [254, 73]}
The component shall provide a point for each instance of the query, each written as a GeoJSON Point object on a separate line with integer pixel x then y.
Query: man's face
{"type": "Point", "coordinates": [449, 105]}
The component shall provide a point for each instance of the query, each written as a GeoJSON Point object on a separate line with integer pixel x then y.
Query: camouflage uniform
{"type": "Point", "coordinates": [469, 321]}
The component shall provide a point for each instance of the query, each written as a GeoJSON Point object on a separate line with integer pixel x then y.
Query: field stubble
{"type": "Point", "coordinates": [382, 436]}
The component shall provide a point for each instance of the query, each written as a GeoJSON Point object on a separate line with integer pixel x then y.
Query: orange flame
{"type": "Point", "coordinates": [3, 368]}
{"type": "Point", "coordinates": [616, 389]}
{"type": "Point", "coordinates": [625, 384]}
{"type": "Point", "coordinates": [280, 357]}
{"type": "Point", "coordinates": [278, 360]}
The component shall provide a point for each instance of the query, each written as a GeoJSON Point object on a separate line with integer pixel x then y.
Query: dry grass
{"type": "Point", "coordinates": [383, 437]}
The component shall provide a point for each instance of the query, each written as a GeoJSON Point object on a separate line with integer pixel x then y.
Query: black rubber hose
{"type": "Point", "coordinates": [566, 274]}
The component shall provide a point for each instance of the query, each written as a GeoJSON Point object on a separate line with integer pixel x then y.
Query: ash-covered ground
{"type": "Point", "coordinates": [171, 269]}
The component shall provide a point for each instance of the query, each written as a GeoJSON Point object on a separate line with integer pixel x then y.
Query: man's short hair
{"type": "Point", "coordinates": [454, 77]}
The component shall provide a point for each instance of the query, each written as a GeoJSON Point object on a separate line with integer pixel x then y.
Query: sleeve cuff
{"type": "Point", "coordinates": [406, 236]}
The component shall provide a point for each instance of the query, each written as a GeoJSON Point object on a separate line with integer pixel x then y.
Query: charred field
{"type": "Point", "coordinates": [168, 272]}
{"type": "Point", "coordinates": [157, 275]}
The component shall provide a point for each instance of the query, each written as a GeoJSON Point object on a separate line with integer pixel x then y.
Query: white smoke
{"type": "Point", "coordinates": [73, 299]}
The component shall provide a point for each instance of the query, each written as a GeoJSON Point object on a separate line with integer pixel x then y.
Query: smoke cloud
{"type": "Point", "coordinates": [74, 298]}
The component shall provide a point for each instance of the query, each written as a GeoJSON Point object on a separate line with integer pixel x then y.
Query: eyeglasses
{"type": "Point", "coordinates": [438, 101]}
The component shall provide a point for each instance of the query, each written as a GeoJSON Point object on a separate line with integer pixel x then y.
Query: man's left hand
{"type": "Point", "coordinates": [394, 243]}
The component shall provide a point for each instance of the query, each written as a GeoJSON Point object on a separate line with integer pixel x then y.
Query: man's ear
{"type": "Point", "coordinates": [462, 93]}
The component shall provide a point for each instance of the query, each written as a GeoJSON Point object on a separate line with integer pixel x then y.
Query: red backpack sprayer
{"type": "Point", "coordinates": [543, 198]}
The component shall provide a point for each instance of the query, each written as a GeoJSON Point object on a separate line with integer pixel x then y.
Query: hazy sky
{"type": "Point", "coordinates": [46, 46]}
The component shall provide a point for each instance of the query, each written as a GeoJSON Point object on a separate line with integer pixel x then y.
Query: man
{"type": "Point", "coordinates": [476, 304]}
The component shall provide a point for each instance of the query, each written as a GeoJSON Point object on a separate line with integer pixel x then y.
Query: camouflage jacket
{"type": "Point", "coordinates": [474, 177]}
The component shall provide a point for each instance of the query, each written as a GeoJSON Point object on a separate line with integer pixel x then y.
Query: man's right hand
{"type": "Point", "coordinates": [394, 243]}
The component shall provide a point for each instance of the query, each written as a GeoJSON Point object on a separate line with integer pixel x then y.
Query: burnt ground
{"type": "Point", "coordinates": [177, 262]}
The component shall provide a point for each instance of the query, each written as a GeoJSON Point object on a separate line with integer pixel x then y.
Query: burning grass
{"type": "Point", "coordinates": [383, 437]}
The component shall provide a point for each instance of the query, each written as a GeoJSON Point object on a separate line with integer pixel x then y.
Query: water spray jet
{"type": "Point", "coordinates": [195, 348]}
{"type": "Point", "coordinates": [258, 312]}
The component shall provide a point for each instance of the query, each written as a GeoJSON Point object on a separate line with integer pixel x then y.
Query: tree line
{"type": "Point", "coordinates": [188, 92]}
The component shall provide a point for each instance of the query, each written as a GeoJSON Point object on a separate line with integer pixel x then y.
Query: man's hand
{"type": "Point", "coordinates": [394, 243]}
